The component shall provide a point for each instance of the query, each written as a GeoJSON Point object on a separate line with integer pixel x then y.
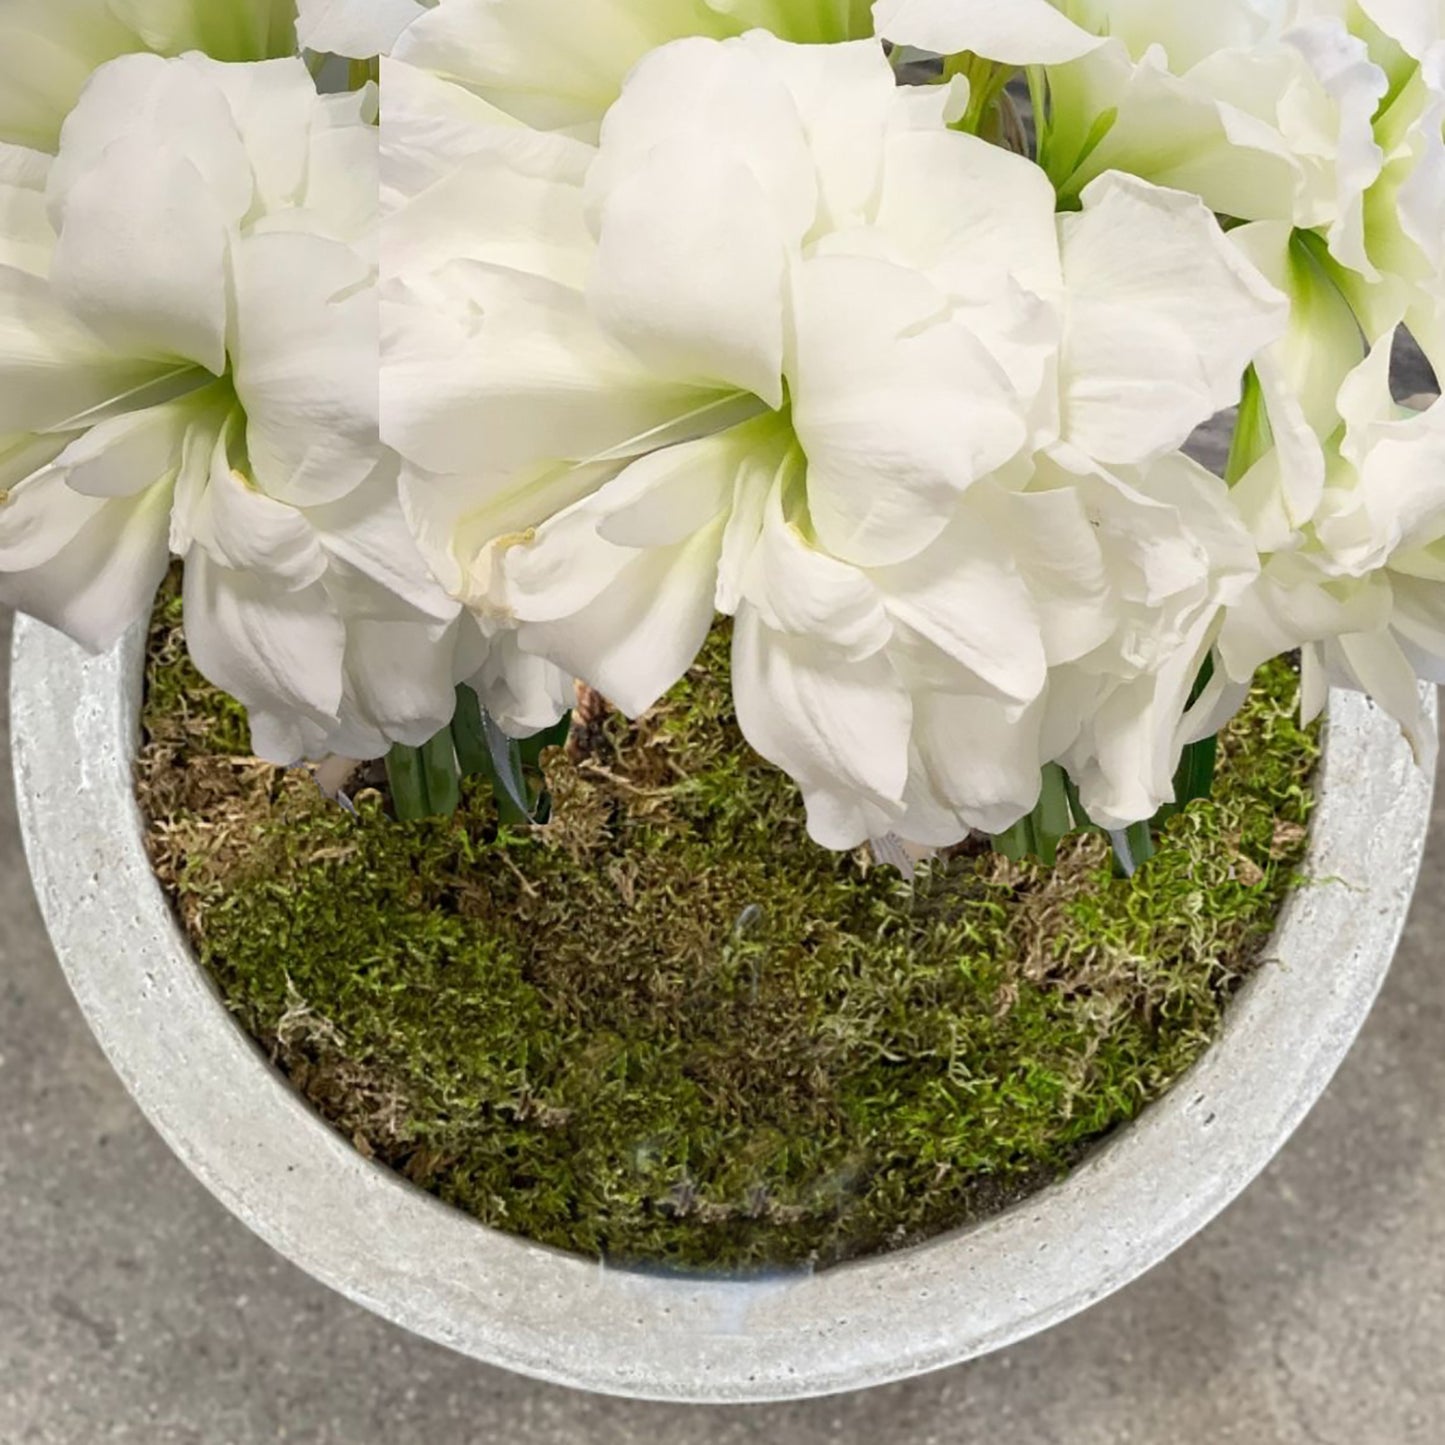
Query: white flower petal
{"type": "Point", "coordinates": [763, 471]}
{"type": "Point", "coordinates": [690, 271]}
{"type": "Point", "coordinates": [1055, 542]}
{"type": "Point", "coordinates": [1018, 32]}
{"type": "Point", "coordinates": [519, 211]}
{"type": "Point", "coordinates": [1115, 111]}
{"type": "Point", "coordinates": [619, 589]}
{"type": "Point", "coordinates": [50, 51]}
{"type": "Point", "coordinates": [726, 102]}
{"type": "Point", "coordinates": [278, 652]}
{"type": "Point", "coordinates": [129, 453]}
{"type": "Point", "coordinates": [798, 589]}
{"type": "Point", "coordinates": [1355, 86]}
{"type": "Point", "coordinates": [399, 685]}
{"type": "Point", "coordinates": [304, 361]}
{"type": "Point", "coordinates": [358, 28]}
{"type": "Point", "coordinates": [54, 373]}
{"type": "Point", "coordinates": [1281, 614]}
{"type": "Point", "coordinates": [1419, 25]}
{"type": "Point", "coordinates": [87, 566]}
{"type": "Point", "coordinates": [272, 105]}
{"type": "Point", "coordinates": [981, 759]}
{"type": "Point", "coordinates": [510, 373]}
{"type": "Point", "coordinates": [432, 125]}
{"type": "Point", "coordinates": [840, 729]}
{"type": "Point", "coordinates": [1375, 664]}
{"type": "Point", "coordinates": [965, 595]}
{"type": "Point", "coordinates": [972, 216]}
{"type": "Point", "coordinates": [26, 236]}
{"type": "Point", "coordinates": [175, 106]}
{"type": "Point", "coordinates": [848, 103]}
{"type": "Point", "coordinates": [898, 407]}
{"type": "Point", "coordinates": [552, 63]}
{"type": "Point", "coordinates": [522, 693]}
{"type": "Point", "coordinates": [1164, 317]}
{"type": "Point", "coordinates": [1137, 736]}
{"type": "Point", "coordinates": [53, 47]}
{"type": "Point", "coordinates": [367, 529]}
{"type": "Point", "coordinates": [642, 631]}
{"type": "Point", "coordinates": [246, 531]}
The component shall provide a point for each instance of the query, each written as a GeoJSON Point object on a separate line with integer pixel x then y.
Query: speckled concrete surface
{"type": "Point", "coordinates": [132, 1308]}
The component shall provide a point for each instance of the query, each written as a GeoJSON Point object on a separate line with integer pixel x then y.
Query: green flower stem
{"type": "Point", "coordinates": [1055, 818]}
{"type": "Point", "coordinates": [1039, 834]}
{"type": "Point", "coordinates": [1060, 811]}
{"type": "Point", "coordinates": [363, 72]}
{"type": "Point", "coordinates": [1196, 772]}
{"type": "Point", "coordinates": [1140, 840]}
{"type": "Point", "coordinates": [987, 81]}
{"type": "Point", "coordinates": [1018, 843]}
{"type": "Point", "coordinates": [406, 772]}
{"type": "Point", "coordinates": [443, 781]}
{"type": "Point", "coordinates": [1039, 100]}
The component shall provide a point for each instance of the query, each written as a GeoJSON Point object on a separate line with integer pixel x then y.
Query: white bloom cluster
{"type": "Point", "coordinates": [1322, 124]}
{"type": "Point", "coordinates": [356, 28]}
{"type": "Point", "coordinates": [687, 307]}
{"type": "Point", "coordinates": [188, 366]}
{"type": "Point", "coordinates": [52, 47]}
{"type": "Point", "coordinates": [787, 346]}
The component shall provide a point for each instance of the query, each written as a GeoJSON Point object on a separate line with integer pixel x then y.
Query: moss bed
{"type": "Point", "coordinates": [666, 1027]}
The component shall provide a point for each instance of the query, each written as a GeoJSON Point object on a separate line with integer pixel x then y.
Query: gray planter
{"type": "Point", "coordinates": [376, 1239]}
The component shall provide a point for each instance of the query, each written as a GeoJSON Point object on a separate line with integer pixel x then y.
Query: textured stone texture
{"type": "Point", "coordinates": [133, 1308]}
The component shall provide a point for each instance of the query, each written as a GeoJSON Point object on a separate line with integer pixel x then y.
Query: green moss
{"type": "Point", "coordinates": [669, 1028]}
{"type": "Point", "coordinates": [200, 718]}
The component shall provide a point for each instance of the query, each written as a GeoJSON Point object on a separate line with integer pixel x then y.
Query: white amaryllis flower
{"type": "Point", "coordinates": [1307, 117]}
{"type": "Point", "coordinates": [50, 48]}
{"type": "Point", "coordinates": [1338, 314]}
{"type": "Point", "coordinates": [356, 28]}
{"type": "Point", "coordinates": [787, 346]}
{"type": "Point", "coordinates": [1016, 32]}
{"type": "Point", "coordinates": [1363, 594]}
{"type": "Point", "coordinates": [1262, 107]}
{"type": "Point", "coordinates": [188, 354]}
{"type": "Point", "coordinates": [559, 64]}
{"type": "Point", "coordinates": [1405, 210]}
{"type": "Point", "coordinates": [1417, 26]}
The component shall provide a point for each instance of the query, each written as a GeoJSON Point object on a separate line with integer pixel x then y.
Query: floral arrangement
{"type": "Point", "coordinates": [589, 323]}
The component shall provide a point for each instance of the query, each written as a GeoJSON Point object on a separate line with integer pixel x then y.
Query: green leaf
{"type": "Point", "coordinates": [1253, 435]}
{"type": "Point", "coordinates": [513, 767]}
{"type": "Point", "coordinates": [468, 736]}
{"type": "Point", "coordinates": [553, 737]}
{"type": "Point", "coordinates": [509, 779]}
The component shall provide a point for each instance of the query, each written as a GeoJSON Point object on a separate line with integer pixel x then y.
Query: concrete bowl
{"type": "Point", "coordinates": [369, 1234]}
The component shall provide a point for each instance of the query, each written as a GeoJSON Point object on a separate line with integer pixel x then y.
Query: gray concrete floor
{"type": "Point", "coordinates": [133, 1308]}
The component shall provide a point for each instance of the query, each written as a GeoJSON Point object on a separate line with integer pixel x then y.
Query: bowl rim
{"type": "Point", "coordinates": [380, 1241]}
